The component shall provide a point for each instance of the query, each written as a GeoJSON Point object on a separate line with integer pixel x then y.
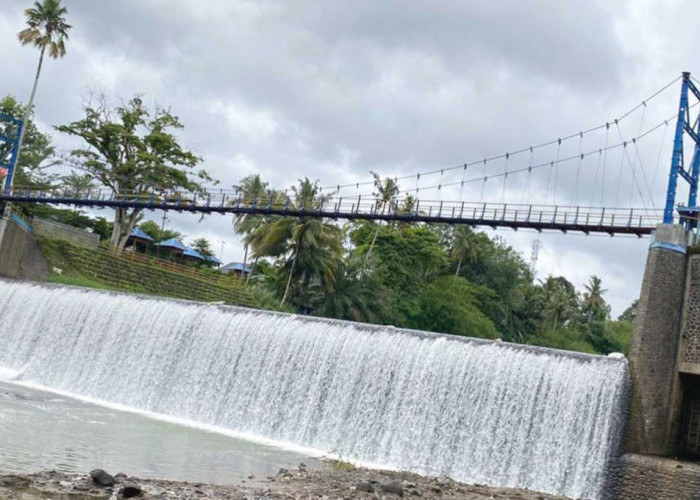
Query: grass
{"type": "Point", "coordinates": [90, 283]}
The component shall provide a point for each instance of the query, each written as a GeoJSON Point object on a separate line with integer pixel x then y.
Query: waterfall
{"type": "Point", "coordinates": [478, 411]}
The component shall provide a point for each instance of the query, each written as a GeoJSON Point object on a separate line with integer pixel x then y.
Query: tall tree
{"type": "Point", "coordinates": [386, 192]}
{"type": "Point", "coordinates": [593, 305]}
{"type": "Point", "coordinates": [308, 246]}
{"type": "Point", "coordinates": [36, 158]}
{"type": "Point", "coordinates": [463, 246]}
{"type": "Point", "coordinates": [134, 152]}
{"type": "Point", "coordinates": [252, 190]}
{"type": "Point", "coordinates": [154, 230]}
{"type": "Point", "coordinates": [203, 246]}
{"type": "Point", "coordinates": [46, 29]}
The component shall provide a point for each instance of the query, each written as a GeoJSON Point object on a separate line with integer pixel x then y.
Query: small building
{"type": "Point", "coordinates": [212, 261]}
{"type": "Point", "coordinates": [235, 268]}
{"type": "Point", "coordinates": [192, 255]}
{"type": "Point", "coordinates": [139, 240]}
{"type": "Point", "coordinates": [171, 249]}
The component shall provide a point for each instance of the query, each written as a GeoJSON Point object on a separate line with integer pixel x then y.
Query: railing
{"type": "Point", "coordinates": [638, 221]}
{"type": "Point", "coordinates": [214, 277]}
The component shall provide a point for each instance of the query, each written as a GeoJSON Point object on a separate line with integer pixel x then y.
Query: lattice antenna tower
{"type": "Point", "coordinates": [534, 255]}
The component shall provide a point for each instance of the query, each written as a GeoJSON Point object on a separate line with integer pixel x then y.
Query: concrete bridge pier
{"type": "Point", "coordinates": [654, 348]}
{"type": "Point", "coordinates": [664, 421]}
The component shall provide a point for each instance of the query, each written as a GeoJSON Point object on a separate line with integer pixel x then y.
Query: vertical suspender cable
{"type": "Point", "coordinates": [579, 161]}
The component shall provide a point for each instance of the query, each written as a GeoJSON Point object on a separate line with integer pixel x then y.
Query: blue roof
{"type": "Point", "coordinates": [138, 233]}
{"type": "Point", "coordinates": [191, 252]}
{"type": "Point", "coordinates": [213, 259]}
{"type": "Point", "coordinates": [172, 243]}
{"type": "Point", "coordinates": [235, 266]}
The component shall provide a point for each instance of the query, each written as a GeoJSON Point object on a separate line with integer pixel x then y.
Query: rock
{"type": "Point", "coordinates": [131, 490]}
{"type": "Point", "coordinates": [14, 482]}
{"type": "Point", "coordinates": [364, 487]}
{"type": "Point", "coordinates": [102, 478]}
{"type": "Point", "coordinates": [393, 487]}
{"type": "Point", "coordinates": [120, 475]}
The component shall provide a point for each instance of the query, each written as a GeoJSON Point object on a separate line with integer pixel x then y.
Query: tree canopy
{"type": "Point", "coordinates": [134, 151]}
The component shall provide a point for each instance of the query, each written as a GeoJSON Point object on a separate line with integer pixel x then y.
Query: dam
{"type": "Point", "coordinates": [479, 411]}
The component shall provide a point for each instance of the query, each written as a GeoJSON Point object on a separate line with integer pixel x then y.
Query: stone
{"type": "Point", "coordinates": [393, 487]}
{"type": "Point", "coordinates": [120, 475]}
{"type": "Point", "coordinates": [102, 478]}
{"type": "Point", "coordinates": [131, 490]}
{"type": "Point", "coordinates": [364, 487]}
{"type": "Point", "coordinates": [14, 482]}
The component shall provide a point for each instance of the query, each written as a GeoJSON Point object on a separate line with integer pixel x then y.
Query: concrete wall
{"type": "Point", "coordinates": [654, 347]}
{"type": "Point", "coordinates": [689, 360]}
{"type": "Point", "coordinates": [20, 255]}
{"type": "Point", "coordinates": [638, 477]}
{"type": "Point", "coordinates": [57, 231]}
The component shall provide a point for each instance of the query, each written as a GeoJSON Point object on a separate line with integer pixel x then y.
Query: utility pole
{"type": "Point", "coordinates": [534, 255]}
{"type": "Point", "coordinates": [162, 225]}
{"type": "Point", "coordinates": [221, 254]}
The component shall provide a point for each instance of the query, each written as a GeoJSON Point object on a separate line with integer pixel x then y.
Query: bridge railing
{"type": "Point", "coordinates": [560, 217]}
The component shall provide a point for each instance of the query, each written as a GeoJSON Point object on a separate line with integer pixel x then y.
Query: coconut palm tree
{"type": "Point", "coordinates": [352, 296]}
{"type": "Point", "coordinates": [46, 30]}
{"type": "Point", "coordinates": [309, 246]}
{"type": "Point", "coordinates": [594, 305]}
{"type": "Point", "coordinates": [386, 192]}
{"type": "Point", "coordinates": [463, 246]}
{"type": "Point", "coordinates": [252, 190]}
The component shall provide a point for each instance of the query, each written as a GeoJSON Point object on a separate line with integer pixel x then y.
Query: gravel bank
{"type": "Point", "coordinates": [331, 483]}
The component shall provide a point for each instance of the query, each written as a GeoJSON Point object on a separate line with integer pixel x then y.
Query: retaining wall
{"type": "Point", "coordinates": [57, 231]}
{"type": "Point", "coordinates": [639, 477]}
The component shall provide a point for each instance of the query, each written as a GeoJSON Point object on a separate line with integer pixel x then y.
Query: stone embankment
{"type": "Point", "coordinates": [297, 484]}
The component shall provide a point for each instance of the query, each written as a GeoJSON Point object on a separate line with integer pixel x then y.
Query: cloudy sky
{"type": "Point", "coordinates": [334, 89]}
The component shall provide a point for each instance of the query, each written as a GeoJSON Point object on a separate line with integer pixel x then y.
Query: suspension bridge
{"type": "Point", "coordinates": [598, 180]}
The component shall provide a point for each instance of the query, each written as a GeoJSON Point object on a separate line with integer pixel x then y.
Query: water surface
{"type": "Point", "coordinates": [45, 431]}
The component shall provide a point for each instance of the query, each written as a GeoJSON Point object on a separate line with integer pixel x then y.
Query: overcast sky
{"type": "Point", "coordinates": [334, 89]}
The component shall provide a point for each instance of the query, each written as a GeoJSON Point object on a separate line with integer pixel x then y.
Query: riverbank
{"type": "Point", "coordinates": [336, 481]}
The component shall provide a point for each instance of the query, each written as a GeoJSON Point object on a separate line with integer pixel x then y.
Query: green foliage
{"type": "Point", "coordinates": [98, 225]}
{"type": "Point", "coordinates": [152, 229]}
{"type": "Point", "coordinates": [451, 304]}
{"type": "Point", "coordinates": [305, 247]}
{"type": "Point", "coordinates": [37, 149]}
{"type": "Point", "coordinates": [46, 28]}
{"type": "Point", "coordinates": [440, 278]}
{"type": "Point", "coordinates": [134, 152]}
{"type": "Point", "coordinates": [203, 246]}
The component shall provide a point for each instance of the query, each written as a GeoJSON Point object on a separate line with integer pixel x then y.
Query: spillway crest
{"type": "Point", "coordinates": [480, 412]}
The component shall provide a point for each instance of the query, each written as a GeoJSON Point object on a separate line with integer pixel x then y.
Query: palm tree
{"type": "Point", "coordinates": [46, 29]}
{"type": "Point", "coordinates": [350, 297]}
{"type": "Point", "coordinates": [251, 190]}
{"type": "Point", "coordinates": [463, 246]}
{"type": "Point", "coordinates": [594, 304]}
{"type": "Point", "coordinates": [387, 191]}
{"type": "Point", "coordinates": [561, 301]}
{"type": "Point", "coordinates": [310, 246]}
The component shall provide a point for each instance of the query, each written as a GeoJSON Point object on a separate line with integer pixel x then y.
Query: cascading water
{"type": "Point", "coordinates": [480, 412]}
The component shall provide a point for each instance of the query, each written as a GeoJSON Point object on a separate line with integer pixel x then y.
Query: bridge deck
{"type": "Point", "coordinates": [635, 221]}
